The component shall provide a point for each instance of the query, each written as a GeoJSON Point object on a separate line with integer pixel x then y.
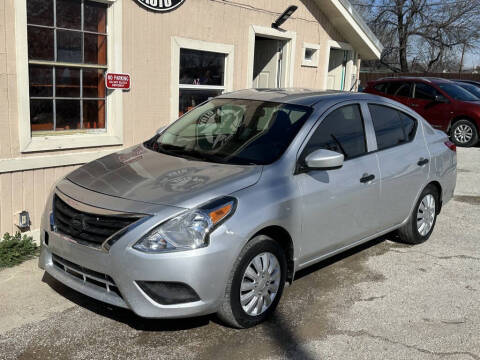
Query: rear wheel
{"type": "Point", "coordinates": [464, 133]}
{"type": "Point", "coordinates": [255, 284]}
{"type": "Point", "coordinates": [422, 220]}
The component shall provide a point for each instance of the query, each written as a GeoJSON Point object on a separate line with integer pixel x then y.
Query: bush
{"type": "Point", "coordinates": [16, 249]}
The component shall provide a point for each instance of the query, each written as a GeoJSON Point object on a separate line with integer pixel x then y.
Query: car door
{"type": "Point", "coordinates": [426, 102]}
{"type": "Point", "coordinates": [339, 206]}
{"type": "Point", "coordinates": [404, 161]}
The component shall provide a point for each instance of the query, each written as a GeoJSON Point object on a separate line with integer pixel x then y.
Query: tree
{"type": "Point", "coordinates": [427, 33]}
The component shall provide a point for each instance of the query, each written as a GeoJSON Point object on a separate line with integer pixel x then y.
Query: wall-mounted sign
{"type": "Point", "coordinates": [161, 5]}
{"type": "Point", "coordinates": [117, 81]}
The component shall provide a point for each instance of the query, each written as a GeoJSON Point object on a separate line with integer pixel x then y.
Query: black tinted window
{"type": "Point", "coordinates": [399, 88]}
{"type": "Point", "coordinates": [425, 92]}
{"type": "Point", "coordinates": [341, 131]}
{"type": "Point", "coordinates": [392, 127]}
{"type": "Point", "coordinates": [382, 87]}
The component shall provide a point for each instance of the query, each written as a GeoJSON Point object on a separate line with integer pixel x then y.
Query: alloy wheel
{"type": "Point", "coordinates": [260, 283]}
{"type": "Point", "coordinates": [426, 214]}
{"type": "Point", "coordinates": [463, 133]}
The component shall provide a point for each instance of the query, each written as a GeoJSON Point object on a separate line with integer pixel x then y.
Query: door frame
{"type": "Point", "coordinates": [349, 66]}
{"type": "Point", "coordinates": [290, 39]}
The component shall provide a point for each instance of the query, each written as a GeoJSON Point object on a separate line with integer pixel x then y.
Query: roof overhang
{"type": "Point", "coordinates": [352, 27]}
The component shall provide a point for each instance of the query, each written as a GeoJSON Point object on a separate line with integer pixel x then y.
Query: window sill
{"type": "Point", "coordinates": [60, 142]}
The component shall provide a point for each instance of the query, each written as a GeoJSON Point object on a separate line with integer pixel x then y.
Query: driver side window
{"type": "Point", "coordinates": [342, 131]}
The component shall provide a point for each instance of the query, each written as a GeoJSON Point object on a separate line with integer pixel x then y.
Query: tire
{"type": "Point", "coordinates": [464, 133]}
{"type": "Point", "coordinates": [231, 312]}
{"type": "Point", "coordinates": [412, 232]}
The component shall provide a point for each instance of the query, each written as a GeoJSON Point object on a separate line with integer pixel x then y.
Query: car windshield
{"type": "Point", "coordinates": [233, 131]}
{"type": "Point", "coordinates": [458, 93]}
{"type": "Point", "coordinates": [471, 88]}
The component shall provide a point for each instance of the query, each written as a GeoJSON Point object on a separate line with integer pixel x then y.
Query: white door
{"type": "Point", "coordinates": [267, 65]}
{"type": "Point", "coordinates": [336, 70]}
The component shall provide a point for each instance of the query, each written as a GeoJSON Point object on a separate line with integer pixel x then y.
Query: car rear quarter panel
{"type": "Point", "coordinates": [443, 161]}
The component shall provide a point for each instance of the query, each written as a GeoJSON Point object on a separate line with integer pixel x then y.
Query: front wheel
{"type": "Point", "coordinates": [464, 133]}
{"type": "Point", "coordinates": [420, 225]}
{"type": "Point", "coordinates": [255, 285]}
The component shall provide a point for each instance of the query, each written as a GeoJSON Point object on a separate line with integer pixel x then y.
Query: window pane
{"type": "Point", "coordinates": [94, 114]}
{"type": "Point", "coordinates": [69, 14]}
{"type": "Point", "coordinates": [68, 114]}
{"type": "Point", "coordinates": [40, 43]}
{"type": "Point", "coordinates": [95, 17]}
{"type": "Point", "coordinates": [392, 127]}
{"type": "Point", "coordinates": [201, 67]}
{"type": "Point", "coordinates": [191, 98]}
{"type": "Point", "coordinates": [41, 80]}
{"type": "Point", "coordinates": [93, 83]}
{"type": "Point", "coordinates": [341, 131]}
{"type": "Point", "coordinates": [425, 92]}
{"type": "Point", "coordinates": [69, 46]}
{"type": "Point", "coordinates": [67, 82]}
{"type": "Point", "coordinates": [40, 12]}
{"type": "Point", "coordinates": [41, 115]}
{"type": "Point", "coordinates": [399, 88]}
{"type": "Point", "coordinates": [409, 126]}
{"type": "Point", "coordinates": [95, 48]}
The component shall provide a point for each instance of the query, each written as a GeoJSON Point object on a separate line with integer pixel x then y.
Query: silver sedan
{"type": "Point", "coordinates": [216, 212]}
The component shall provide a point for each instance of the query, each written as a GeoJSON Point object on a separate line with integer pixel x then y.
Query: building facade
{"type": "Point", "coordinates": [56, 113]}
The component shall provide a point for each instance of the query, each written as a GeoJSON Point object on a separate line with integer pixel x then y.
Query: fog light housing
{"type": "Point", "coordinates": [168, 293]}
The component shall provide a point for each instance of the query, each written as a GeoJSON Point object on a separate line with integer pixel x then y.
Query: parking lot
{"type": "Point", "coordinates": [383, 300]}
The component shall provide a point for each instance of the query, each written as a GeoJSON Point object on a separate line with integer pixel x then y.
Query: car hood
{"type": "Point", "coordinates": [140, 174]}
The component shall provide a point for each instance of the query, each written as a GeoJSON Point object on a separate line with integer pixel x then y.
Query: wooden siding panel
{"type": "Point", "coordinates": [6, 204]}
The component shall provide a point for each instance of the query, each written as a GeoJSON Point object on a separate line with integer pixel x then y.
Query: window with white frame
{"type": "Point", "coordinates": [310, 55]}
{"type": "Point", "coordinates": [201, 76]}
{"type": "Point", "coordinates": [67, 60]}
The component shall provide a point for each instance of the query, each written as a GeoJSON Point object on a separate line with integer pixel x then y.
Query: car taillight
{"type": "Point", "coordinates": [451, 145]}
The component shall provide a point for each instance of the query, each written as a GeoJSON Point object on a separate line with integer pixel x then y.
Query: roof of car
{"type": "Point", "coordinates": [415, 78]}
{"type": "Point", "coordinates": [306, 97]}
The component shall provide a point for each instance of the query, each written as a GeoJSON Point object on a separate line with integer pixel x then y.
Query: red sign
{"type": "Point", "coordinates": [118, 81]}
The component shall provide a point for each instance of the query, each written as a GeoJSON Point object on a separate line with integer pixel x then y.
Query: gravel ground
{"type": "Point", "coordinates": [382, 300]}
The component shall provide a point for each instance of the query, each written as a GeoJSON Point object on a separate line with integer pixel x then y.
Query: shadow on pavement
{"type": "Point", "coordinates": [279, 329]}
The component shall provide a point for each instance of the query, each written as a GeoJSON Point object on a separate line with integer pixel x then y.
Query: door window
{"type": "Point", "coordinates": [399, 88]}
{"type": "Point", "coordinates": [425, 92]}
{"type": "Point", "coordinates": [392, 127]}
{"type": "Point", "coordinates": [341, 131]}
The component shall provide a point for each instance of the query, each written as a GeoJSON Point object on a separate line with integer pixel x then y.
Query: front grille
{"type": "Point", "coordinates": [86, 275]}
{"type": "Point", "coordinates": [87, 228]}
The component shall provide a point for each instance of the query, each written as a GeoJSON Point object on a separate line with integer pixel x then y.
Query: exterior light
{"type": "Point", "coordinates": [23, 219]}
{"type": "Point", "coordinates": [284, 17]}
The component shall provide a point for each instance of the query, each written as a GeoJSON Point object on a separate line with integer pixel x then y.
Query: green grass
{"type": "Point", "coordinates": [16, 249]}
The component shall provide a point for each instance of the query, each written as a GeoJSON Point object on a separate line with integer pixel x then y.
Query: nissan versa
{"type": "Point", "coordinates": [215, 213]}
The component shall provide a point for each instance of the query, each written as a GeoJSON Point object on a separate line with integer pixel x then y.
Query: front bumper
{"type": "Point", "coordinates": [205, 270]}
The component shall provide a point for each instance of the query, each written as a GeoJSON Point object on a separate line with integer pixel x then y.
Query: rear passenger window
{"type": "Point", "coordinates": [399, 88]}
{"type": "Point", "coordinates": [341, 131]}
{"type": "Point", "coordinates": [392, 127]}
{"type": "Point", "coordinates": [382, 87]}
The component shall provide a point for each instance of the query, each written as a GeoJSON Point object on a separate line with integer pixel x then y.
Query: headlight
{"type": "Point", "coordinates": [189, 230]}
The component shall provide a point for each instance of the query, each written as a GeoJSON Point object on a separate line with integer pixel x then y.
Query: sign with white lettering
{"type": "Point", "coordinates": [117, 81]}
{"type": "Point", "coordinates": [161, 5]}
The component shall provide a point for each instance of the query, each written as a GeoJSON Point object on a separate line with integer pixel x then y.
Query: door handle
{"type": "Point", "coordinates": [422, 162]}
{"type": "Point", "coordinates": [414, 105]}
{"type": "Point", "coordinates": [366, 178]}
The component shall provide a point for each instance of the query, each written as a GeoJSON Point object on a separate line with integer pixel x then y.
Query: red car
{"type": "Point", "coordinates": [444, 104]}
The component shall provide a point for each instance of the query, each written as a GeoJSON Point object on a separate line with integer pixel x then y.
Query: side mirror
{"type": "Point", "coordinates": [441, 99]}
{"type": "Point", "coordinates": [160, 130]}
{"type": "Point", "coordinates": [324, 159]}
